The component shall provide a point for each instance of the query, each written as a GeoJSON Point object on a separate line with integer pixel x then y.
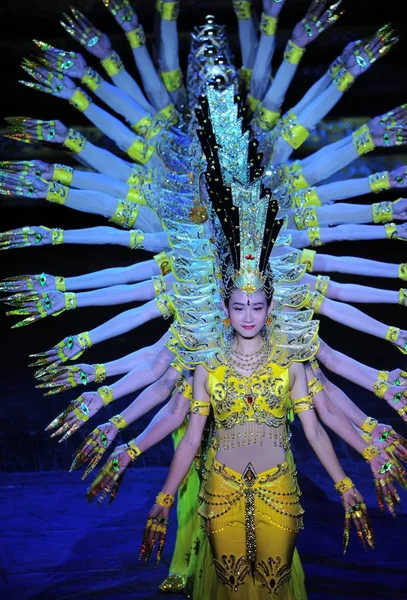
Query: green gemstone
{"type": "Point", "coordinates": [69, 342]}
{"type": "Point", "coordinates": [397, 397]}
{"type": "Point", "coordinates": [47, 302]}
{"type": "Point", "coordinates": [397, 382]}
{"type": "Point", "coordinates": [38, 238]}
{"type": "Point", "coordinates": [104, 439]}
{"type": "Point", "coordinates": [84, 409]}
{"type": "Point", "coordinates": [384, 436]}
{"type": "Point", "coordinates": [84, 378]}
{"type": "Point", "coordinates": [43, 279]}
{"type": "Point", "coordinates": [67, 64]}
{"type": "Point", "coordinates": [115, 465]}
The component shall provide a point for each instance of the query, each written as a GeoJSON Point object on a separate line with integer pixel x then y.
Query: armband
{"type": "Point", "coordinates": [184, 388]}
{"type": "Point", "coordinates": [314, 235]}
{"type": "Point", "coordinates": [362, 140]}
{"type": "Point", "coordinates": [74, 141]}
{"type": "Point", "coordinates": [62, 174]}
{"type": "Point", "coordinates": [302, 404]}
{"type": "Point", "coordinates": [165, 305]}
{"type": "Point", "coordinates": [135, 195]}
{"type": "Point", "coordinates": [60, 283]}
{"type": "Point", "coordinates": [314, 364]}
{"type": "Point", "coordinates": [402, 273]}
{"type": "Point", "coordinates": [126, 214]}
{"type": "Point", "coordinates": [314, 386]}
{"type": "Point", "coordinates": [169, 11]}
{"type": "Point", "coordinates": [245, 76]}
{"type": "Point", "coordinates": [200, 407]}
{"type": "Point", "coordinates": [266, 119]}
{"type": "Point", "coordinates": [80, 100]}
{"type": "Point", "coordinates": [380, 387]}
{"type": "Point", "coordinates": [165, 500]}
{"type": "Point", "coordinates": [321, 284]}
{"type": "Point", "coordinates": [370, 452]}
{"type": "Point", "coordinates": [268, 25]}
{"type": "Point", "coordinates": [140, 176]}
{"type": "Point", "coordinates": [163, 262]}
{"type": "Point", "coordinates": [403, 296]}
{"type": "Point", "coordinates": [379, 181]}
{"type": "Point", "coordinates": [168, 114]}
{"type": "Point", "coordinates": [293, 53]}
{"type": "Point", "coordinates": [391, 231]}
{"type": "Point", "coordinates": [298, 181]}
{"type": "Point", "coordinates": [84, 340]}
{"type": "Point", "coordinates": [113, 64]}
{"type": "Point", "coordinates": [316, 301]}
{"type": "Point", "coordinates": [140, 151]}
{"type": "Point", "coordinates": [172, 80]}
{"type": "Point", "coordinates": [383, 376]}
{"type": "Point", "coordinates": [136, 37]}
{"type": "Point", "coordinates": [100, 373]}
{"type": "Point", "coordinates": [343, 80]}
{"type": "Point", "coordinates": [159, 284]}
{"type": "Point", "coordinates": [382, 212]}
{"type": "Point", "coordinates": [306, 217]}
{"type": "Point", "coordinates": [344, 485]}
{"type": "Point", "coordinates": [133, 450]}
{"type": "Point", "coordinates": [106, 393]}
{"type": "Point", "coordinates": [70, 300]}
{"type": "Point", "coordinates": [119, 422]}
{"type": "Point", "coordinates": [305, 197]}
{"type": "Point", "coordinates": [392, 334]}
{"type": "Point", "coordinates": [243, 9]}
{"type": "Point", "coordinates": [369, 424]}
{"type": "Point", "coordinates": [91, 79]}
{"type": "Point", "coordinates": [307, 258]}
{"type": "Point", "coordinates": [136, 240]}
{"type": "Point", "coordinates": [292, 131]}
{"type": "Point", "coordinates": [252, 102]}
{"type": "Point", "coordinates": [177, 364]}
{"type": "Point", "coordinates": [57, 237]}
{"type": "Point", "coordinates": [57, 193]}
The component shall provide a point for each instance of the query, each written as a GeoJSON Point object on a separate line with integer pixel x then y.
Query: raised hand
{"type": "Point", "coordinates": [48, 80]}
{"type": "Point", "coordinates": [398, 177]}
{"type": "Point", "coordinates": [156, 527]}
{"type": "Point", "coordinates": [82, 30]}
{"type": "Point", "coordinates": [29, 131]}
{"type": "Point", "coordinates": [272, 8]}
{"type": "Point", "coordinates": [29, 187]}
{"type": "Point", "coordinates": [389, 129]}
{"type": "Point", "coordinates": [78, 412]}
{"type": "Point", "coordinates": [28, 283]}
{"type": "Point", "coordinates": [123, 13]}
{"type": "Point", "coordinates": [385, 438]}
{"type": "Point", "coordinates": [316, 21]}
{"type": "Point", "coordinates": [356, 514]}
{"type": "Point", "coordinates": [36, 305]}
{"type": "Point", "coordinates": [23, 237]}
{"type": "Point", "coordinates": [366, 54]}
{"type": "Point", "coordinates": [59, 378]}
{"type": "Point", "coordinates": [93, 447]}
{"type": "Point", "coordinates": [28, 168]}
{"type": "Point", "coordinates": [387, 471]}
{"type": "Point", "coordinates": [70, 63]}
{"type": "Point", "coordinates": [70, 348]}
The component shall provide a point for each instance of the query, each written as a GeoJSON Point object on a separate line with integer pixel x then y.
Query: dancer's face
{"type": "Point", "coordinates": [247, 313]}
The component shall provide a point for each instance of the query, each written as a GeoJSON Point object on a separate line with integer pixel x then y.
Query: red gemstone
{"type": "Point", "coordinates": [249, 257]}
{"type": "Point", "coordinates": [249, 399]}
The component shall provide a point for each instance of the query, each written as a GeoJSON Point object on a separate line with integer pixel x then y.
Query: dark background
{"type": "Point", "coordinates": [24, 412]}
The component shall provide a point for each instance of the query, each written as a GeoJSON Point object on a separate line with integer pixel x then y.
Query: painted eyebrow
{"type": "Point", "coordinates": [252, 304]}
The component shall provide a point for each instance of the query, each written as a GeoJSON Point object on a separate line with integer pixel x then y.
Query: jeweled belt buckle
{"type": "Point", "coordinates": [249, 475]}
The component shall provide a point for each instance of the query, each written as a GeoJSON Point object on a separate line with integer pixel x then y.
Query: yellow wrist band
{"type": "Point", "coordinates": [176, 364]}
{"type": "Point", "coordinates": [169, 11]}
{"type": "Point", "coordinates": [148, 127]}
{"type": "Point", "coordinates": [335, 67]}
{"type": "Point", "coordinates": [298, 181]}
{"type": "Point", "coordinates": [370, 452]}
{"type": "Point", "coordinates": [112, 64]}
{"type": "Point", "coordinates": [119, 422]}
{"type": "Point", "coordinates": [314, 386]}
{"type": "Point", "coordinates": [91, 79]}
{"type": "Point", "coordinates": [135, 195]}
{"type": "Point", "coordinates": [70, 300]}
{"type": "Point", "coordinates": [57, 193]}
{"type": "Point", "coordinates": [344, 485]}
{"type": "Point", "coordinates": [369, 424]}
{"type": "Point", "coordinates": [140, 151]}
{"type": "Point", "coordinates": [362, 140]}
{"type": "Point", "coordinates": [243, 9]}
{"type": "Point", "coordinates": [84, 340]}
{"type": "Point", "coordinates": [383, 375]}
{"type": "Point", "coordinates": [322, 283]}
{"type": "Point", "coordinates": [60, 283]}
{"type": "Point", "coordinates": [57, 237]}
{"type": "Point", "coordinates": [367, 437]}
{"type": "Point", "coordinates": [100, 373]}
{"type": "Point", "coordinates": [165, 500]}
{"type": "Point", "coordinates": [126, 214]}
{"type": "Point", "coordinates": [252, 102]}
{"type": "Point", "coordinates": [106, 393]}
{"type": "Point", "coordinates": [305, 197]}
{"type": "Point", "coordinates": [380, 387]}
{"type": "Point", "coordinates": [74, 141]}
{"type": "Point", "coordinates": [200, 407]}
{"type": "Point", "coordinates": [165, 305]}
{"type": "Point", "coordinates": [268, 25]}
{"type": "Point", "coordinates": [245, 76]}
{"type": "Point", "coordinates": [140, 175]}
{"type": "Point", "coordinates": [136, 240]}
{"type": "Point", "coordinates": [314, 235]}
{"type": "Point", "coordinates": [184, 388]}
{"type": "Point", "coordinates": [266, 119]}
{"type": "Point", "coordinates": [159, 284]}
{"type": "Point", "coordinates": [382, 212]}
{"type": "Point", "coordinates": [343, 80]}
{"type": "Point", "coordinates": [306, 217]}
{"type": "Point", "coordinates": [402, 274]}
{"type": "Point", "coordinates": [292, 131]}
{"type": "Point", "coordinates": [172, 80]}
{"type": "Point", "coordinates": [302, 404]}
{"type": "Point", "coordinates": [293, 53]}
{"type": "Point", "coordinates": [133, 450]}
{"type": "Point", "coordinates": [62, 174]}
{"type": "Point", "coordinates": [136, 37]}
{"type": "Point", "coordinates": [80, 100]}
{"type": "Point", "coordinates": [379, 181]}
{"type": "Point", "coordinates": [392, 334]}
{"type": "Point", "coordinates": [163, 262]}
{"type": "Point", "coordinates": [168, 115]}
{"type": "Point", "coordinates": [315, 302]}
{"type": "Point", "coordinates": [403, 296]}
{"type": "Point", "coordinates": [307, 257]}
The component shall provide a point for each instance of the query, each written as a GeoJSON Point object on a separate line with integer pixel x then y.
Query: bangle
{"type": "Point", "coordinates": [84, 340]}
{"type": "Point", "coordinates": [306, 217]}
{"type": "Point", "coordinates": [297, 179]}
{"type": "Point", "coordinates": [74, 141]}
{"type": "Point", "coordinates": [56, 193]}
{"type": "Point", "coordinates": [136, 240]}
{"type": "Point", "coordinates": [100, 373]}
{"type": "Point", "coordinates": [390, 229]}
{"type": "Point", "coordinates": [314, 236]}
{"type": "Point", "coordinates": [60, 283]}
{"type": "Point", "coordinates": [369, 424]}
{"type": "Point", "coordinates": [169, 11]}
{"type": "Point", "coordinates": [305, 197]}
{"type": "Point", "coordinates": [243, 9]}
{"type": "Point", "coordinates": [392, 334]}
{"type": "Point", "coordinates": [91, 79]}
{"type": "Point", "coordinates": [80, 100]}
{"type": "Point", "coordinates": [112, 64]}
{"type": "Point", "coordinates": [343, 80]}
{"type": "Point", "coordinates": [136, 37]}
{"type": "Point", "coordinates": [165, 500]}
{"type": "Point", "coordinates": [379, 181]}
{"type": "Point", "coordinates": [370, 452]}
{"type": "Point", "coordinates": [383, 375]}
{"type": "Point", "coordinates": [126, 214]}
{"type": "Point", "coordinates": [184, 388]}
{"type": "Point", "coordinates": [382, 212]}
{"type": "Point", "coordinates": [57, 237]}
{"type": "Point", "coordinates": [136, 196]}
{"type": "Point", "coordinates": [133, 450]}
{"type": "Point", "coordinates": [321, 284]}
{"type": "Point", "coordinates": [163, 262]}
{"type": "Point", "coordinates": [292, 131]}
{"type": "Point", "coordinates": [307, 258]}
{"type": "Point", "coordinates": [362, 140]}
{"type": "Point", "coordinates": [106, 393]}
{"type": "Point", "coordinates": [344, 485]}
{"type": "Point", "coordinates": [169, 115]}
{"type": "Point", "coordinates": [177, 365]}
{"type": "Point", "coordinates": [172, 80]}
{"type": "Point", "coordinates": [302, 404]}
{"type": "Point", "coordinates": [165, 305]}
{"type": "Point", "coordinates": [140, 151]}
{"type": "Point", "coordinates": [403, 296]}
{"type": "Point", "coordinates": [380, 387]}
{"type": "Point", "coordinates": [266, 119]}
{"type": "Point", "coordinates": [293, 53]}
{"type": "Point", "coordinates": [70, 300]}
{"type": "Point", "coordinates": [252, 102]}
{"type": "Point", "coordinates": [402, 273]}
{"type": "Point", "coordinates": [140, 176]}
{"type": "Point", "coordinates": [62, 174]}
{"type": "Point", "coordinates": [200, 407]}
{"type": "Point", "coordinates": [268, 25]}
{"type": "Point", "coordinates": [119, 422]}
{"type": "Point", "coordinates": [314, 386]}
{"type": "Point", "coordinates": [159, 284]}
{"type": "Point", "coordinates": [148, 127]}
{"type": "Point", "coordinates": [245, 76]}
{"type": "Point", "coordinates": [367, 437]}
{"type": "Point", "coordinates": [315, 301]}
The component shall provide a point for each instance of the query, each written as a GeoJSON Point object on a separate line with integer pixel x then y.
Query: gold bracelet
{"type": "Point", "coordinates": [391, 230]}
{"type": "Point", "coordinates": [383, 376]}
{"type": "Point", "coordinates": [119, 422]}
{"type": "Point", "coordinates": [62, 174]}
{"type": "Point", "coordinates": [177, 365]}
{"type": "Point", "coordinates": [159, 284]}
{"type": "Point", "coordinates": [165, 305]}
{"type": "Point", "coordinates": [362, 140]}
{"type": "Point", "coordinates": [57, 237]}
{"type": "Point", "coordinates": [169, 11]}
{"type": "Point", "coordinates": [268, 25]}
{"type": "Point", "coordinates": [169, 115]}
{"type": "Point", "coordinates": [344, 485]}
{"type": "Point", "coordinates": [106, 393]}
{"type": "Point", "coordinates": [266, 119]}
{"type": "Point", "coordinates": [380, 387]}
{"type": "Point", "coordinates": [305, 197]}
{"type": "Point", "coordinates": [298, 181]}
{"type": "Point", "coordinates": [84, 340]}
{"type": "Point", "coordinates": [306, 217]}
{"type": "Point", "coordinates": [163, 262]}
{"type": "Point", "coordinates": [314, 235]}
{"type": "Point", "coordinates": [80, 100]}
{"type": "Point", "coordinates": [343, 80]}
{"type": "Point", "coordinates": [133, 450]}
{"type": "Point", "coordinates": [302, 404]}
{"type": "Point", "coordinates": [60, 283]}
{"type": "Point", "coordinates": [243, 9]}
{"type": "Point", "coordinates": [370, 452]}
{"type": "Point", "coordinates": [402, 273]}
{"type": "Point", "coordinates": [379, 181]}
{"type": "Point", "coordinates": [70, 300]}
{"type": "Point", "coordinates": [172, 80]}
{"type": "Point", "coordinates": [252, 102]}
{"type": "Point", "coordinates": [74, 141]}
{"type": "Point", "coordinates": [91, 79]}
{"type": "Point", "coordinates": [403, 296]}
{"type": "Point", "coordinates": [245, 76]}
{"type": "Point", "coordinates": [200, 407]}
{"type": "Point", "coordinates": [113, 64]}
{"type": "Point", "coordinates": [392, 334]}
{"type": "Point", "coordinates": [382, 212]}
{"type": "Point", "coordinates": [293, 53]}
{"type": "Point", "coordinates": [135, 195]}
{"type": "Point", "coordinates": [184, 388]}
{"type": "Point", "coordinates": [322, 283]}
{"type": "Point", "coordinates": [315, 386]}
{"type": "Point", "coordinates": [136, 37]}
{"type": "Point", "coordinates": [140, 176]}
{"type": "Point", "coordinates": [136, 240]}
{"type": "Point", "coordinates": [140, 151]}
{"type": "Point", "coordinates": [56, 193]}
{"type": "Point", "coordinates": [148, 127]}
{"type": "Point", "coordinates": [126, 214]}
{"type": "Point", "coordinates": [315, 301]}
{"type": "Point", "coordinates": [100, 373]}
{"type": "Point", "coordinates": [307, 257]}
{"type": "Point", "coordinates": [292, 131]}
{"type": "Point", "coordinates": [165, 500]}
{"type": "Point", "coordinates": [369, 424]}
